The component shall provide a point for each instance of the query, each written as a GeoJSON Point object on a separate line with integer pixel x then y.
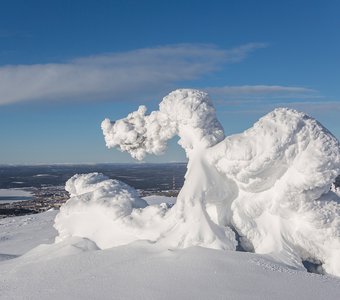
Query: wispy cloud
{"type": "Point", "coordinates": [116, 75]}
{"type": "Point", "coordinates": [314, 106]}
{"type": "Point", "coordinates": [311, 106]}
{"type": "Point", "coordinates": [257, 99]}
{"type": "Point", "coordinates": [260, 91]}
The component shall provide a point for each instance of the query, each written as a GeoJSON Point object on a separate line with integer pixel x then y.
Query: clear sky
{"type": "Point", "coordinates": [66, 65]}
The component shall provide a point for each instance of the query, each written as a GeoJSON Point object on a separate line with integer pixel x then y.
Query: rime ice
{"type": "Point", "coordinates": [270, 185]}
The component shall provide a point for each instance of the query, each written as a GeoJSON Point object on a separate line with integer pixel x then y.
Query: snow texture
{"type": "Point", "coordinates": [267, 189]}
{"type": "Point", "coordinates": [20, 234]}
{"type": "Point", "coordinates": [75, 269]}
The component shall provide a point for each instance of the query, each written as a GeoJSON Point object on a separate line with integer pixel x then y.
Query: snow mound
{"type": "Point", "coordinates": [282, 169]}
{"type": "Point", "coordinates": [101, 210]}
{"type": "Point", "coordinates": [110, 213]}
{"type": "Point", "coordinates": [141, 270]}
{"type": "Point", "coordinates": [269, 187]}
{"type": "Point", "coordinates": [72, 246]}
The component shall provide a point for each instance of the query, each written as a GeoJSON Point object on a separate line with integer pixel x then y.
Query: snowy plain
{"type": "Point", "coordinates": [76, 269]}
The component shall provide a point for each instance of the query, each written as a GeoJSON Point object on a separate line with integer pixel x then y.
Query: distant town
{"type": "Point", "coordinates": [46, 183]}
{"type": "Point", "coordinates": [52, 197]}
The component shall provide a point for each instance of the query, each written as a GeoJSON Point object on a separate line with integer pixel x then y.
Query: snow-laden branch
{"type": "Point", "coordinates": [186, 113]}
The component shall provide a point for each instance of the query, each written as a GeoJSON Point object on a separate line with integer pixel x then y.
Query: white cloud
{"type": "Point", "coordinates": [314, 106]}
{"type": "Point", "coordinates": [115, 75]}
{"type": "Point", "coordinates": [261, 107]}
{"type": "Point", "coordinates": [264, 98]}
{"type": "Point", "coordinates": [253, 91]}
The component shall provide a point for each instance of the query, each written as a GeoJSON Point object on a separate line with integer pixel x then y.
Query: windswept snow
{"type": "Point", "coordinates": [270, 184]}
{"type": "Point", "coordinates": [75, 269]}
{"type": "Point", "coordinates": [21, 234]}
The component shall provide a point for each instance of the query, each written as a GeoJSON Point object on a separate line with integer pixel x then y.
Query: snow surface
{"type": "Point", "coordinates": [270, 185]}
{"type": "Point", "coordinates": [20, 234]}
{"type": "Point", "coordinates": [76, 269]}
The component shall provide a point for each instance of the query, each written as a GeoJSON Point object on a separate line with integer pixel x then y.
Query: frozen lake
{"type": "Point", "coordinates": [10, 195]}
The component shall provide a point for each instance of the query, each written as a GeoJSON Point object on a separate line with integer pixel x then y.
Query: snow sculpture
{"type": "Point", "coordinates": [270, 185]}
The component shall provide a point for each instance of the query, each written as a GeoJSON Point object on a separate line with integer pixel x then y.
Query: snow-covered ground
{"type": "Point", "coordinates": [21, 234]}
{"type": "Point", "coordinates": [76, 269]}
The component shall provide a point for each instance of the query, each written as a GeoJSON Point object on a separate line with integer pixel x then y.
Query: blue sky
{"type": "Point", "coordinates": [66, 65]}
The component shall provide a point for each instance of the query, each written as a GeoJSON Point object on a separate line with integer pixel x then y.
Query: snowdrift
{"type": "Point", "coordinates": [266, 190]}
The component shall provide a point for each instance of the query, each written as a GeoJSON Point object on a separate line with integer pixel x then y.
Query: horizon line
{"type": "Point", "coordinates": [87, 163]}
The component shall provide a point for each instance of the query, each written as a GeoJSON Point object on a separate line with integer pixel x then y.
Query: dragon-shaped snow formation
{"type": "Point", "coordinates": [266, 189]}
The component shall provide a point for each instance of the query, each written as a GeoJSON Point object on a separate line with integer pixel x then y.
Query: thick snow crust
{"type": "Point", "coordinates": [266, 190]}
